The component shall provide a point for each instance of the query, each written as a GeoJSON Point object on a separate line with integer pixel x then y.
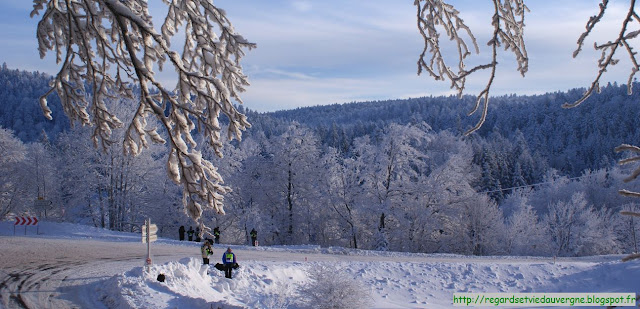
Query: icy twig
{"type": "Point", "coordinates": [608, 50]}
{"type": "Point", "coordinates": [508, 24]}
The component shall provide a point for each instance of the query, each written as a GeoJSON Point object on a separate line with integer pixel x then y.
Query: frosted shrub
{"type": "Point", "coordinates": [279, 297]}
{"type": "Point", "coordinates": [330, 287]}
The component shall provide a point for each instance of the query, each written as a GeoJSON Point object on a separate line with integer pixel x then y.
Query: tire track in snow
{"type": "Point", "coordinates": [44, 273]}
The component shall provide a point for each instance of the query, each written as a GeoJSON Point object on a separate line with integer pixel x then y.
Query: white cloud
{"type": "Point", "coordinates": [302, 6]}
{"type": "Point", "coordinates": [270, 94]}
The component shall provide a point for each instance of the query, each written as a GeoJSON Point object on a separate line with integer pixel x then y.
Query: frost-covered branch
{"type": "Point", "coordinates": [112, 47]}
{"type": "Point", "coordinates": [508, 25]}
{"type": "Point", "coordinates": [634, 175]}
{"type": "Point", "coordinates": [635, 255]}
{"type": "Point", "coordinates": [608, 50]}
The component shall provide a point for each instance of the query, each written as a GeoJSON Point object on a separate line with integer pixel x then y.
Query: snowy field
{"type": "Point", "coordinates": [275, 277]}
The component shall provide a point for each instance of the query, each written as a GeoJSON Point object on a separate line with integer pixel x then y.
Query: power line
{"type": "Point", "coordinates": [533, 185]}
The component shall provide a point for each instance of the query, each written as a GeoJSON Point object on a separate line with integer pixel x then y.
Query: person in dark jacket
{"type": "Point", "coordinates": [198, 234]}
{"type": "Point", "coordinates": [254, 237]}
{"type": "Point", "coordinates": [190, 233]}
{"type": "Point", "coordinates": [209, 240]}
{"type": "Point", "coordinates": [216, 234]}
{"type": "Point", "coordinates": [181, 232]}
{"type": "Point", "coordinates": [229, 262]}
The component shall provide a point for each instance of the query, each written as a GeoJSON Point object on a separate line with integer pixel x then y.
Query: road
{"type": "Point", "coordinates": [48, 272]}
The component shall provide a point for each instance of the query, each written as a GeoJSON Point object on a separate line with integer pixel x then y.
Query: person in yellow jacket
{"type": "Point", "coordinates": [206, 251]}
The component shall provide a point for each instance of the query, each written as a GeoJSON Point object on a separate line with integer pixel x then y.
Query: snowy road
{"type": "Point", "coordinates": [47, 273]}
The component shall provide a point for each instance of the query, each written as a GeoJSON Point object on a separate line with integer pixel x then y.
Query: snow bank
{"type": "Point", "coordinates": [189, 284]}
{"type": "Point", "coordinates": [390, 284]}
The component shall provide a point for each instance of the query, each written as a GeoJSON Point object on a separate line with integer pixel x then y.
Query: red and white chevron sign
{"type": "Point", "coordinates": [26, 221]}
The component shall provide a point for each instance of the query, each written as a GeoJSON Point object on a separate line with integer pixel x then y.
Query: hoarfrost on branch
{"type": "Point", "coordinates": [508, 31]}
{"type": "Point", "coordinates": [609, 49]}
{"type": "Point", "coordinates": [108, 48]}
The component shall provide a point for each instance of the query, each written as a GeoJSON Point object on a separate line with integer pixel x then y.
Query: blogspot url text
{"type": "Point", "coordinates": [544, 299]}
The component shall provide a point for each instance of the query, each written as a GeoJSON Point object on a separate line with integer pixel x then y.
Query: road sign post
{"type": "Point", "coordinates": [42, 205]}
{"type": "Point", "coordinates": [148, 236]}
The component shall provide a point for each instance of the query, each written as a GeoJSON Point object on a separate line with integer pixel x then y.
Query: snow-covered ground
{"type": "Point", "coordinates": [273, 277]}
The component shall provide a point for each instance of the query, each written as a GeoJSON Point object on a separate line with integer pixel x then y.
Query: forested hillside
{"type": "Point", "coordinates": [536, 179]}
{"type": "Point", "coordinates": [572, 140]}
{"type": "Point", "coordinates": [19, 108]}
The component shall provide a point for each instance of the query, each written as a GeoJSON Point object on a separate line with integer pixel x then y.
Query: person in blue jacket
{"type": "Point", "coordinates": [229, 262]}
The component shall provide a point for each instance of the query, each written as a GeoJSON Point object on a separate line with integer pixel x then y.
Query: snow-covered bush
{"type": "Point", "coordinates": [279, 296]}
{"type": "Point", "coordinates": [330, 287]}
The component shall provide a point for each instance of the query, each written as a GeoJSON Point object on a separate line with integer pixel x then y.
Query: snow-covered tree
{"type": "Point", "coordinates": [628, 229]}
{"type": "Point", "coordinates": [346, 195]}
{"type": "Point", "coordinates": [238, 166]}
{"type": "Point", "coordinates": [556, 188]}
{"type": "Point", "coordinates": [525, 234]}
{"type": "Point", "coordinates": [436, 17]}
{"type": "Point", "coordinates": [483, 225]}
{"type": "Point", "coordinates": [392, 167]}
{"type": "Point", "coordinates": [44, 182]}
{"type": "Point", "coordinates": [576, 228]}
{"type": "Point", "coordinates": [432, 220]}
{"type": "Point", "coordinates": [111, 49]}
{"type": "Point", "coordinates": [28, 173]}
{"type": "Point", "coordinates": [113, 189]}
{"type": "Point", "coordinates": [12, 187]}
{"type": "Point", "coordinates": [296, 158]}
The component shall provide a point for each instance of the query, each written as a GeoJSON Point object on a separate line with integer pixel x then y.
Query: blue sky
{"type": "Point", "coordinates": [324, 52]}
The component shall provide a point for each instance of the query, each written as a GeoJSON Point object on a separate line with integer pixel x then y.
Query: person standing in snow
{"type": "Point", "coordinates": [206, 251]}
{"type": "Point", "coordinates": [216, 234]}
{"type": "Point", "coordinates": [181, 232]}
{"type": "Point", "coordinates": [229, 262]}
{"type": "Point", "coordinates": [190, 233]}
{"type": "Point", "coordinates": [198, 234]}
{"type": "Point", "coordinates": [254, 237]}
